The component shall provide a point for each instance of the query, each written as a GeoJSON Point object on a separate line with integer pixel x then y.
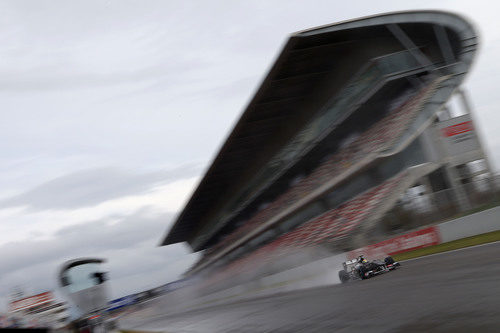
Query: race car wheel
{"type": "Point", "coordinates": [361, 272]}
{"type": "Point", "coordinates": [344, 276]}
{"type": "Point", "coordinates": [389, 261]}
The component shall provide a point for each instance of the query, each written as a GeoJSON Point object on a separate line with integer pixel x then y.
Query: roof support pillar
{"type": "Point", "coordinates": [406, 41]}
{"type": "Point", "coordinates": [444, 44]}
{"type": "Point", "coordinates": [467, 106]}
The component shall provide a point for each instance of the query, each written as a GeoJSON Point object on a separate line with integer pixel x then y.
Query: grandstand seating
{"type": "Point", "coordinates": [330, 226]}
{"type": "Point", "coordinates": [379, 137]}
{"type": "Point", "coordinates": [338, 222]}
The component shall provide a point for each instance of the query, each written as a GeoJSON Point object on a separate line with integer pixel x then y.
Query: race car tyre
{"type": "Point", "coordinates": [361, 272]}
{"type": "Point", "coordinates": [344, 276]}
{"type": "Point", "coordinates": [389, 261]}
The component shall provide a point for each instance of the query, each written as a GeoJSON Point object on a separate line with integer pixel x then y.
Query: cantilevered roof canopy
{"type": "Point", "coordinates": [313, 64]}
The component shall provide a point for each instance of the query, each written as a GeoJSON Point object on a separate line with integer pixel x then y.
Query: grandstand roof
{"type": "Point", "coordinates": [311, 62]}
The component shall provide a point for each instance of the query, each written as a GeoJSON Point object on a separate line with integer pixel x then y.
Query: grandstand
{"type": "Point", "coordinates": [350, 116]}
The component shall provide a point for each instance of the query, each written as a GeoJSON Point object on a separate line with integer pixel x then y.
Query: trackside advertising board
{"type": "Point", "coordinates": [458, 135]}
{"type": "Point", "coordinates": [122, 302]}
{"type": "Point", "coordinates": [408, 242]}
{"type": "Point", "coordinates": [31, 301]}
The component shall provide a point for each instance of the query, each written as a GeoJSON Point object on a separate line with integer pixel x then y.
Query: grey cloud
{"type": "Point", "coordinates": [91, 187]}
{"type": "Point", "coordinates": [129, 246]}
{"type": "Point", "coordinates": [51, 79]}
{"type": "Point", "coordinates": [91, 237]}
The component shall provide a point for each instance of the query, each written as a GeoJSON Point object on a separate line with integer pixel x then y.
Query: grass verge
{"type": "Point", "coordinates": [453, 245]}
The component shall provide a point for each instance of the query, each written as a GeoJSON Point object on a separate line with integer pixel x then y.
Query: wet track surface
{"type": "Point", "coordinates": [452, 292]}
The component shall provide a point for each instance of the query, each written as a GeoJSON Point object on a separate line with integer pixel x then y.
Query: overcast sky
{"type": "Point", "coordinates": [112, 110]}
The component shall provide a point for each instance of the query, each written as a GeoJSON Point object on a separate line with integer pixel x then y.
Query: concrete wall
{"type": "Point", "coordinates": [470, 225]}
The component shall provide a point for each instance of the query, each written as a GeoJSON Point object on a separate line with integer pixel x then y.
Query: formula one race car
{"type": "Point", "coordinates": [360, 268]}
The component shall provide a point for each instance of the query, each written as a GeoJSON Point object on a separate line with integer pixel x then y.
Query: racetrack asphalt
{"type": "Point", "coordinates": [450, 292]}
